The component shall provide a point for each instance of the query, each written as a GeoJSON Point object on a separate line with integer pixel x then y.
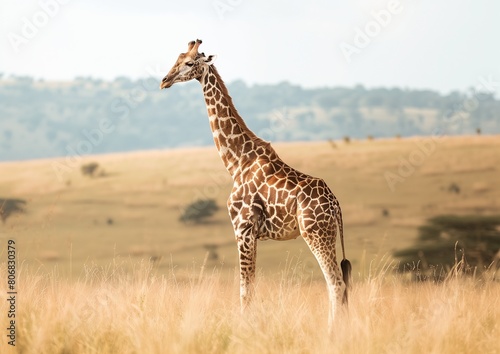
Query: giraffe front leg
{"type": "Point", "coordinates": [247, 217]}
{"type": "Point", "coordinates": [247, 249]}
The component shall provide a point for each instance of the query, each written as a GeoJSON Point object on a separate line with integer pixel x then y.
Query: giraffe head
{"type": "Point", "coordinates": [190, 65]}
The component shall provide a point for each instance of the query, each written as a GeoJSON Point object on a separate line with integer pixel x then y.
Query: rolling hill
{"type": "Point", "coordinates": [131, 208]}
{"type": "Point", "coordinates": [89, 116]}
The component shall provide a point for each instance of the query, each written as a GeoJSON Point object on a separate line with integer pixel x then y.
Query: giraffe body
{"type": "Point", "coordinates": [269, 200]}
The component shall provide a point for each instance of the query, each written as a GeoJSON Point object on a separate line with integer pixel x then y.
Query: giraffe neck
{"type": "Point", "coordinates": [232, 138]}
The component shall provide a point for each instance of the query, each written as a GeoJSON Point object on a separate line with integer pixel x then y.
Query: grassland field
{"type": "Point", "coordinates": [105, 266]}
{"type": "Point", "coordinates": [133, 210]}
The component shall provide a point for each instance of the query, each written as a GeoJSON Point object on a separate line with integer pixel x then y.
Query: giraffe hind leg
{"type": "Point", "coordinates": [336, 286]}
{"type": "Point", "coordinates": [247, 249]}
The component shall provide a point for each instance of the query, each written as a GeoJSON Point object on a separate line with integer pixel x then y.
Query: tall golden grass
{"type": "Point", "coordinates": [127, 307]}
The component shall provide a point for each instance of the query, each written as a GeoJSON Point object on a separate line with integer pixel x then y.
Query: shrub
{"type": "Point", "coordinates": [89, 169]}
{"type": "Point", "coordinates": [9, 206]}
{"type": "Point", "coordinates": [454, 188]}
{"type": "Point", "coordinates": [199, 210]}
{"type": "Point", "coordinates": [473, 239]}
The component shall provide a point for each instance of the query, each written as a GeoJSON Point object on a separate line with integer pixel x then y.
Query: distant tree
{"type": "Point", "coordinates": [199, 210]}
{"type": "Point", "coordinates": [124, 82]}
{"type": "Point", "coordinates": [89, 169]}
{"type": "Point", "coordinates": [23, 80]}
{"type": "Point", "coordinates": [212, 250]}
{"type": "Point", "coordinates": [402, 121]}
{"type": "Point", "coordinates": [355, 116]}
{"type": "Point", "coordinates": [454, 188]}
{"type": "Point", "coordinates": [10, 206]}
{"type": "Point", "coordinates": [332, 143]}
{"type": "Point", "coordinates": [444, 239]}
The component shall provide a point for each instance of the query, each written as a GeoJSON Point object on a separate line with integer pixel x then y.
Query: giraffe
{"type": "Point", "coordinates": [269, 199]}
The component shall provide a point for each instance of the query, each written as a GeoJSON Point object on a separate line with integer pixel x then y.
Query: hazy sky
{"type": "Point", "coordinates": [442, 45]}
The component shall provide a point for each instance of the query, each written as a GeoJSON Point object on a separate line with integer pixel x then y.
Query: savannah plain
{"type": "Point", "coordinates": [105, 265]}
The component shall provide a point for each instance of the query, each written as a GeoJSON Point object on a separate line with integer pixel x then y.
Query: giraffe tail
{"type": "Point", "coordinates": [345, 265]}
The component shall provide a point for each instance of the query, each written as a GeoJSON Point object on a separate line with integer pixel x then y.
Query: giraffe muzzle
{"type": "Point", "coordinates": [166, 82]}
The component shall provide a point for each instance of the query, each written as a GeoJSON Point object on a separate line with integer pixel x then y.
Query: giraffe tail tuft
{"type": "Point", "coordinates": [346, 267]}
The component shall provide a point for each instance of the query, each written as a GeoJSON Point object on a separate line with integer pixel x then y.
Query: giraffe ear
{"type": "Point", "coordinates": [210, 59]}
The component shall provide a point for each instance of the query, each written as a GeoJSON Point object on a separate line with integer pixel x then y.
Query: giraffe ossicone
{"type": "Point", "coordinates": [269, 199]}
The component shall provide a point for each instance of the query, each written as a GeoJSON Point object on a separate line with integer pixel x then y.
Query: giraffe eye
{"type": "Point", "coordinates": [190, 63]}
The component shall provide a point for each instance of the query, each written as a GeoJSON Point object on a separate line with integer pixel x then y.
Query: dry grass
{"type": "Point", "coordinates": [127, 307]}
{"type": "Point", "coordinates": [76, 296]}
